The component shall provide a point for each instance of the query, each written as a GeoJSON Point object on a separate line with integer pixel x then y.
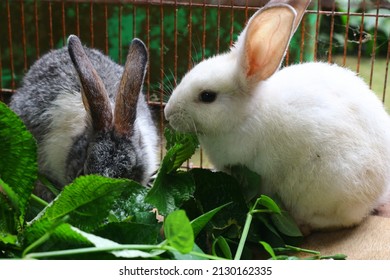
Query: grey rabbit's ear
{"type": "Point", "coordinates": [95, 98]}
{"type": "Point", "coordinates": [130, 88]}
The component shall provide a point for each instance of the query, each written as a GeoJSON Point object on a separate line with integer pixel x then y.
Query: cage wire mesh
{"type": "Point", "coordinates": [180, 33]}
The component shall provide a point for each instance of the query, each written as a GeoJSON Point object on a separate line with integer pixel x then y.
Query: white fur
{"type": "Point", "coordinates": [315, 132]}
{"type": "Point", "coordinates": [68, 121]}
{"type": "Point", "coordinates": [149, 137]}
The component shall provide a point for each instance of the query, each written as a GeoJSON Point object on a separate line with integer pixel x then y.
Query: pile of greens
{"type": "Point", "coordinates": [205, 214]}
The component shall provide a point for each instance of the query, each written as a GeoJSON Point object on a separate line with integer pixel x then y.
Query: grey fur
{"type": "Point", "coordinates": [92, 152]}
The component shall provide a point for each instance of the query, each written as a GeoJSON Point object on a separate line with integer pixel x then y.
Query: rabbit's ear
{"type": "Point", "coordinates": [266, 39]}
{"type": "Point", "coordinates": [300, 7]}
{"type": "Point", "coordinates": [130, 87]}
{"type": "Point", "coordinates": [95, 98]}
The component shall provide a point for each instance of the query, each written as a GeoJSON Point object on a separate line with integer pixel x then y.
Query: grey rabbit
{"type": "Point", "coordinates": [87, 114]}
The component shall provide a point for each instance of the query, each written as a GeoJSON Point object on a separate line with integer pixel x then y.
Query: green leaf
{"type": "Point", "coordinates": [130, 233]}
{"type": "Point", "coordinates": [170, 191]}
{"type": "Point", "coordinates": [178, 231]}
{"type": "Point", "coordinates": [100, 242]}
{"type": "Point", "coordinates": [223, 246]}
{"type": "Point", "coordinates": [173, 137]}
{"type": "Point", "coordinates": [7, 238]}
{"type": "Point", "coordinates": [268, 203]}
{"type": "Point", "coordinates": [9, 195]}
{"type": "Point", "coordinates": [200, 222]}
{"type": "Point", "coordinates": [18, 164]}
{"type": "Point", "coordinates": [249, 181]}
{"type": "Point", "coordinates": [131, 205]}
{"type": "Point", "coordinates": [61, 235]}
{"type": "Point", "coordinates": [50, 228]}
{"type": "Point", "coordinates": [189, 256]}
{"type": "Point", "coordinates": [269, 249]}
{"type": "Point", "coordinates": [214, 189]}
{"type": "Point", "coordinates": [87, 201]}
{"type": "Point", "coordinates": [285, 224]}
{"type": "Point", "coordinates": [171, 187]}
{"type": "Point", "coordinates": [269, 226]}
{"type": "Point", "coordinates": [8, 217]}
{"type": "Point", "coordinates": [8, 228]}
{"type": "Point", "coordinates": [180, 147]}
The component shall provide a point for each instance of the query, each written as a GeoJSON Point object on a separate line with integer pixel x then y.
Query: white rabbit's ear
{"type": "Point", "coordinates": [266, 39]}
{"type": "Point", "coordinates": [300, 7]}
{"type": "Point", "coordinates": [130, 87]}
{"type": "Point", "coordinates": [95, 98]}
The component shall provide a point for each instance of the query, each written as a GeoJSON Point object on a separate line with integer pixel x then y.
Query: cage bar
{"type": "Point", "coordinates": [91, 24]}
{"type": "Point", "coordinates": [10, 45]}
{"type": "Point", "coordinates": [24, 43]}
{"type": "Point", "coordinates": [331, 32]}
{"type": "Point", "coordinates": [373, 53]}
{"type": "Point", "coordinates": [161, 94]}
{"type": "Point", "coordinates": [105, 29]}
{"type": "Point", "coordinates": [63, 21]}
{"type": "Point", "coordinates": [346, 33]}
{"type": "Point", "coordinates": [77, 19]}
{"type": "Point", "coordinates": [386, 72]}
{"type": "Point", "coordinates": [360, 38]}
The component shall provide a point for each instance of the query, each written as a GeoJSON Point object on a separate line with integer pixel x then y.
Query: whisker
{"type": "Point", "coordinates": [160, 91]}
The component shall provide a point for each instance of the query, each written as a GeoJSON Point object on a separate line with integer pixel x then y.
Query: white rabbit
{"type": "Point", "coordinates": [315, 132]}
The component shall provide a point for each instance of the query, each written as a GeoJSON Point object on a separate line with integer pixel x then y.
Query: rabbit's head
{"type": "Point", "coordinates": [216, 95]}
{"type": "Point", "coordinates": [114, 143]}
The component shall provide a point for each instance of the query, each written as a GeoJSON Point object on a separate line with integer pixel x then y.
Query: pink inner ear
{"type": "Point", "coordinates": [267, 38]}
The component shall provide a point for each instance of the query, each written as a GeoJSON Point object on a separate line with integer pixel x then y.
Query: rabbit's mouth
{"type": "Point", "coordinates": [181, 122]}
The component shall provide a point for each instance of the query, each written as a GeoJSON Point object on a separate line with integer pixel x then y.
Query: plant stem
{"type": "Point", "coordinates": [297, 249]}
{"type": "Point", "coordinates": [243, 236]}
{"type": "Point", "coordinates": [262, 211]}
{"type": "Point", "coordinates": [90, 250]}
{"type": "Point", "coordinates": [193, 253]}
{"type": "Point", "coordinates": [113, 248]}
{"type": "Point", "coordinates": [9, 192]}
{"type": "Point", "coordinates": [44, 237]}
{"type": "Point", "coordinates": [247, 225]}
{"type": "Point", "coordinates": [39, 200]}
{"type": "Point", "coordinates": [210, 257]}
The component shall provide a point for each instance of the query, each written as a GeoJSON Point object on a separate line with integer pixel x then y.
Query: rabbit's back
{"type": "Point", "coordinates": [319, 138]}
{"type": "Point", "coordinates": [326, 143]}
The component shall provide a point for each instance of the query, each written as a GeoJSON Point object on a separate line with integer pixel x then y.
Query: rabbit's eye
{"type": "Point", "coordinates": [207, 96]}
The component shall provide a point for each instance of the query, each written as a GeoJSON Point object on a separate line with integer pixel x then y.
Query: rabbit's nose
{"type": "Point", "coordinates": [168, 111]}
{"type": "Point", "coordinates": [171, 116]}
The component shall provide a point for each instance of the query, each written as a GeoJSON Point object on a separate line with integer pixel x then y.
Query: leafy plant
{"type": "Point", "coordinates": [206, 214]}
{"type": "Point", "coordinates": [18, 171]}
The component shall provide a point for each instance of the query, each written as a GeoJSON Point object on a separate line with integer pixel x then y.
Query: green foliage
{"type": "Point", "coordinates": [207, 215]}
{"type": "Point", "coordinates": [172, 187]}
{"type": "Point", "coordinates": [178, 231]}
{"type": "Point", "coordinates": [18, 164]}
{"type": "Point", "coordinates": [221, 244]}
{"type": "Point", "coordinates": [78, 201]}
